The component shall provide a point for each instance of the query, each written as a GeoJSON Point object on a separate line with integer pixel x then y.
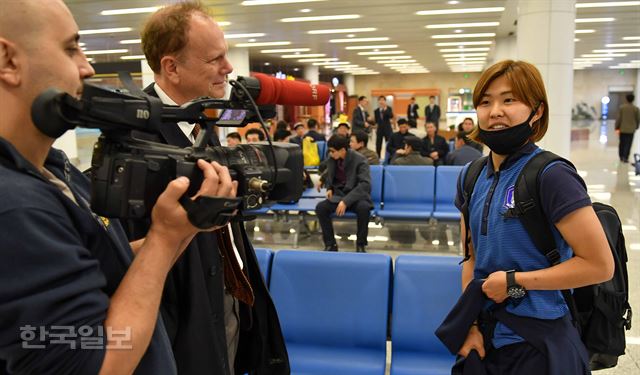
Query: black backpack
{"type": "Point", "coordinates": [601, 312]}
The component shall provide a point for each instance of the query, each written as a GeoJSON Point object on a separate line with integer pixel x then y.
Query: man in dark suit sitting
{"type": "Point", "coordinates": [434, 146]}
{"type": "Point", "coordinates": [397, 139]}
{"type": "Point", "coordinates": [348, 183]}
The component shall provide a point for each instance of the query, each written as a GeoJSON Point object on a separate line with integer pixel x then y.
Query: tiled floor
{"type": "Point", "coordinates": [596, 158]}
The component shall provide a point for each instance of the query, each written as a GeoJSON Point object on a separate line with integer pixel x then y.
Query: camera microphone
{"type": "Point", "coordinates": [270, 90]}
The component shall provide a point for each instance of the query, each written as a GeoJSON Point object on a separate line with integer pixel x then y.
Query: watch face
{"type": "Point", "coordinates": [516, 292]}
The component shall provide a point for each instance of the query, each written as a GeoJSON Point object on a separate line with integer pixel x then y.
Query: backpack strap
{"type": "Point", "coordinates": [528, 209]}
{"type": "Point", "coordinates": [468, 179]}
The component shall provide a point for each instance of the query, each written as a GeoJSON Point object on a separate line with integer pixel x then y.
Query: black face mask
{"type": "Point", "coordinates": [507, 141]}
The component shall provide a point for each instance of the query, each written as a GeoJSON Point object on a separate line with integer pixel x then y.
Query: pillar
{"type": "Point", "coordinates": [350, 84]}
{"type": "Point", "coordinates": [312, 74]}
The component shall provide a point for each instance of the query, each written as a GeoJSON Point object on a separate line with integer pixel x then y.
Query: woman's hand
{"type": "Point", "coordinates": [474, 341]}
{"type": "Point", "coordinates": [495, 286]}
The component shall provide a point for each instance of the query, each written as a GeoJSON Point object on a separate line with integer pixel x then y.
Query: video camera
{"type": "Point", "coordinates": [130, 170]}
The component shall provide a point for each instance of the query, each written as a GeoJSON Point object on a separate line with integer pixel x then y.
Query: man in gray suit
{"type": "Point", "coordinates": [348, 183]}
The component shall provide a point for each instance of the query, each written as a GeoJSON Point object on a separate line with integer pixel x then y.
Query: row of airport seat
{"type": "Point", "coordinates": [335, 310]}
{"type": "Point", "coordinates": [398, 192]}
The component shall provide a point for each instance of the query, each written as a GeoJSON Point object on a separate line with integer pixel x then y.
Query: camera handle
{"type": "Point", "coordinates": [207, 212]}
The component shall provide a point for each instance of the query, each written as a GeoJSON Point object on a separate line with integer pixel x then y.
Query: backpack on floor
{"type": "Point", "coordinates": [601, 312]}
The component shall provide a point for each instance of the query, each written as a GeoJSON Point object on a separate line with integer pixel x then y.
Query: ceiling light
{"type": "Point", "coordinates": [415, 72]}
{"type": "Point", "coordinates": [105, 31]}
{"type": "Point", "coordinates": [240, 36]}
{"type": "Point", "coordinates": [592, 59]}
{"type": "Point", "coordinates": [306, 10]}
{"type": "Point", "coordinates": [616, 50]}
{"type": "Point", "coordinates": [296, 69]}
{"type": "Point", "coordinates": [106, 51]}
{"type": "Point", "coordinates": [477, 35]}
{"type": "Point", "coordinates": [623, 45]}
{"type": "Point", "coordinates": [263, 44]}
{"type": "Point", "coordinates": [133, 57]}
{"type": "Point", "coordinates": [81, 44]}
{"type": "Point", "coordinates": [585, 31]}
{"type": "Point", "coordinates": [322, 18]}
{"type": "Point", "coordinates": [114, 12]}
{"type": "Point", "coordinates": [340, 65]}
{"type": "Point", "coordinates": [464, 50]}
{"type": "Point", "coordinates": [631, 38]}
{"type": "Point", "coordinates": [457, 31]}
{"type": "Point", "coordinates": [285, 50]}
{"type": "Point", "coordinates": [593, 20]}
{"type": "Point", "coordinates": [459, 11]}
{"type": "Point", "coordinates": [465, 54]}
{"type": "Point", "coordinates": [371, 53]}
{"type": "Point", "coordinates": [389, 57]}
{"type": "Point", "coordinates": [352, 40]}
{"type": "Point", "coordinates": [267, 63]}
{"type": "Point", "coordinates": [608, 4]}
{"type": "Point", "coordinates": [364, 73]}
{"type": "Point", "coordinates": [396, 61]}
{"type": "Point", "coordinates": [223, 23]}
{"type": "Point", "coordinates": [466, 59]}
{"type": "Point", "coordinates": [576, 39]}
{"type": "Point", "coordinates": [449, 44]}
{"type": "Point", "coordinates": [131, 41]}
{"type": "Point", "coordinates": [303, 55]}
{"type": "Point", "coordinates": [372, 47]}
{"type": "Point", "coordinates": [90, 59]}
{"type": "Point", "coordinates": [273, 2]}
{"type": "Point", "coordinates": [251, 40]}
{"type": "Point", "coordinates": [401, 64]}
{"type": "Point", "coordinates": [455, 25]}
{"type": "Point", "coordinates": [604, 55]}
{"type": "Point", "coordinates": [319, 60]}
{"type": "Point", "coordinates": [453, 2]}
{"type": "Point", "coordinates": [342, 31]}
{"type": "Point", "coordinates": [334, 63]}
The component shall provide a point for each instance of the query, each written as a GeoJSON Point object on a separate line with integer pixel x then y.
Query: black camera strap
{"type": "Point", "coordinates": [207, 212]}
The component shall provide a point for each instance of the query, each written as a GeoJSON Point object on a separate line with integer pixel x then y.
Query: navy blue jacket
{"type": "Point", "coordinates": [59, 264]}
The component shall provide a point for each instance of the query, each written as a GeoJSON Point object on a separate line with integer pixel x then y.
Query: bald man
{"type": "Point", "coordinates": [73, 298]}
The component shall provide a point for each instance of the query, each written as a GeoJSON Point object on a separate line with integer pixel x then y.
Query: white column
{"type": "Point", "coordinates": [545, 39]}
{"type": "Point", "coordinates": [506, 49]}
{"type": "Point", "coordinates": [635, 147]}
{"type": "Point", "coordinates": [312, 74]}
{"type": "Point", "coordinates": [350, 84]}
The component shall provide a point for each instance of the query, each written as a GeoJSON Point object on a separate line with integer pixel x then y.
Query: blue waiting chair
{"type": "Point", "coordinates": [333, 309]}
{"type": "Point", "coordinates": [322, 149]}
{"type": "Point", "coordinates": [264, 256]}
{"type": "Point", "coordinates": [408, 192]}
{"type": "Point", "coordinates": [377, 172]}
{"type": "Point", "coordinates": [425, 288]}
{"type": "Point", "coordinates": [446, 180]}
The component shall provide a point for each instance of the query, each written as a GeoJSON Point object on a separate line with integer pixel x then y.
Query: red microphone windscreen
{"type": "Point", "coordinates": [280, 91]}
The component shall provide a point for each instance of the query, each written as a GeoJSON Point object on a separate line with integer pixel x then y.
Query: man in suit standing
{"type": "Point", "coordinates": [219, 315]}
{"type": "Point", "coordinates": [360, 117]}
{"type": "Point", "coordinates": [348, 183]}
{"type": "Point", "coordinates": [412, 113]}
{"type": "Point", "coordinates": [384, 117]}
{"type": "Point", "coordinates": [432, 112]}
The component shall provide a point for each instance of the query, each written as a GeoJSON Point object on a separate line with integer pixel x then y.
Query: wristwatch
{"type": "Point", "coordinates": [514, 290]}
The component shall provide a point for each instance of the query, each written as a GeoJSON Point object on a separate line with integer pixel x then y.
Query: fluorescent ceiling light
{"type": "Point", "coordinates": [390, 65]}
{"type": "Point", "coordinates": [114, 12]}
{"type": "Point", "coordinates": [622, 45]}
{"type": "Point", "coordinates": [466, 59]}
{"type": "Point", "coordinates": [466, 63]}
{"type": "Point", "coordinates": [364, 73]}
{"type": "Point", "coordinates": [342, 31]}
{"type": "Point", "coordinates": [300, 56]}
{"type": "Point", "coordinates": [449, 44]}
{"type": "Point", "coordinates": [389, 57]}
{"type": "Point", "coordinates": [465, 54]}
{"type": "Point", "coordinates": [459, 11]}
{"type": "Point", "coordinates": [594, 59]}
{"type": "Point", "coordinates": [585, 31]}
{"type": "Point", "coordinates": [396, 61]}
{"type": "Point", "coordinates": [106, 51]}
{"type": "Point", "coordinates": [322, 18]}
{"type": "Point", "coordinates": [576, 39]}
{"type": "Point", "coordinates": [604, 55]}
{"type": "Point", "coordinates": [464, 50]}
{"type": "Point", "coordinates": [345, 68]}
{"type": "Point", "coordinates": [608, 4]}
{"type": "Point", "coordinates": [381, 46]}
{"type": "Point", "coordinates": [82, 44]}
{"type": "Point", "coordinates": [131, 41]}
{"type": "Point", "coordinates": [356, 40]}
{"type": "Point", "coordinates": [327, 63]}
{"type": "Point", "coordinates": [458, 25]}
{"type": "Point", "coordinates": [223, 23]}
{"type": "Point", "coordinates": [273, 2]}
{"type": "Point", "coordinates": [285, 50]}
{"type": "Point", "coordinates": [373, 53]}
{"type": "Point", "coordinates": [240, 36]}
{"type": "Point", "coordinates": [415, 72]}
{"type": "Point", "coordinates": [593, 20]}
{"type": "Point", "coordinates": [451, 36]}
{"type": "Point", "coordinates": [628, 50]}
{"type": "Point", "coordinates": [339, 66]}
{"type": "Point", "coordinates": [319, 60]}
{"type": "Point", "coordinates": [105, 31]}
{"type": "Point", "coordinates": [631, 38]}
{"type": "Point", "coordinates": [133, 57]}
{"type": "Point", "coordinates": [263, 44]}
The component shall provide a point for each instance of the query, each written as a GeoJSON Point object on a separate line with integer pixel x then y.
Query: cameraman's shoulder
{"type": "Point", "coordinates": [22, 191]}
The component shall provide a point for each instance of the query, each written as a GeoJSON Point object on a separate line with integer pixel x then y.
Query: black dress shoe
{"type": "Point", "coordinates": [333, 247]}
{"type": "Point", "coordinates": [360, 249]}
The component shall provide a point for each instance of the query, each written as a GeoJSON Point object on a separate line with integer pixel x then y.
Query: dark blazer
{"type": "Point", "coordinates": [193, 301]}
{"type": "Point", "coordinates": [439, 144]}
{"type": "Point", "coordinates": [383, 119]}
{"type": "Point", "coordinates": [317, 137]}
{"type": "Point", "coordinates": [396, 142]}
{"type": "Point", "coordinates": [359, 119]}
{"type": "Point", "coordinates": [432, 115]}
{"type": "Point", "coordinates": [358, 186]}
{"type": "Point", "coordinates": [412, 111]}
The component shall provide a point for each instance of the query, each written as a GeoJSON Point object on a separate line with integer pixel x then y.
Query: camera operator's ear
{"type": "Point", "coordinates": [9, 63]}
{"type": "Point", "coordinates": [169, 68]}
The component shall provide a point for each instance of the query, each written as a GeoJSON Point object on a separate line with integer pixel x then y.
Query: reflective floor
{"type": "Point", "coordinates": [595, 156]}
